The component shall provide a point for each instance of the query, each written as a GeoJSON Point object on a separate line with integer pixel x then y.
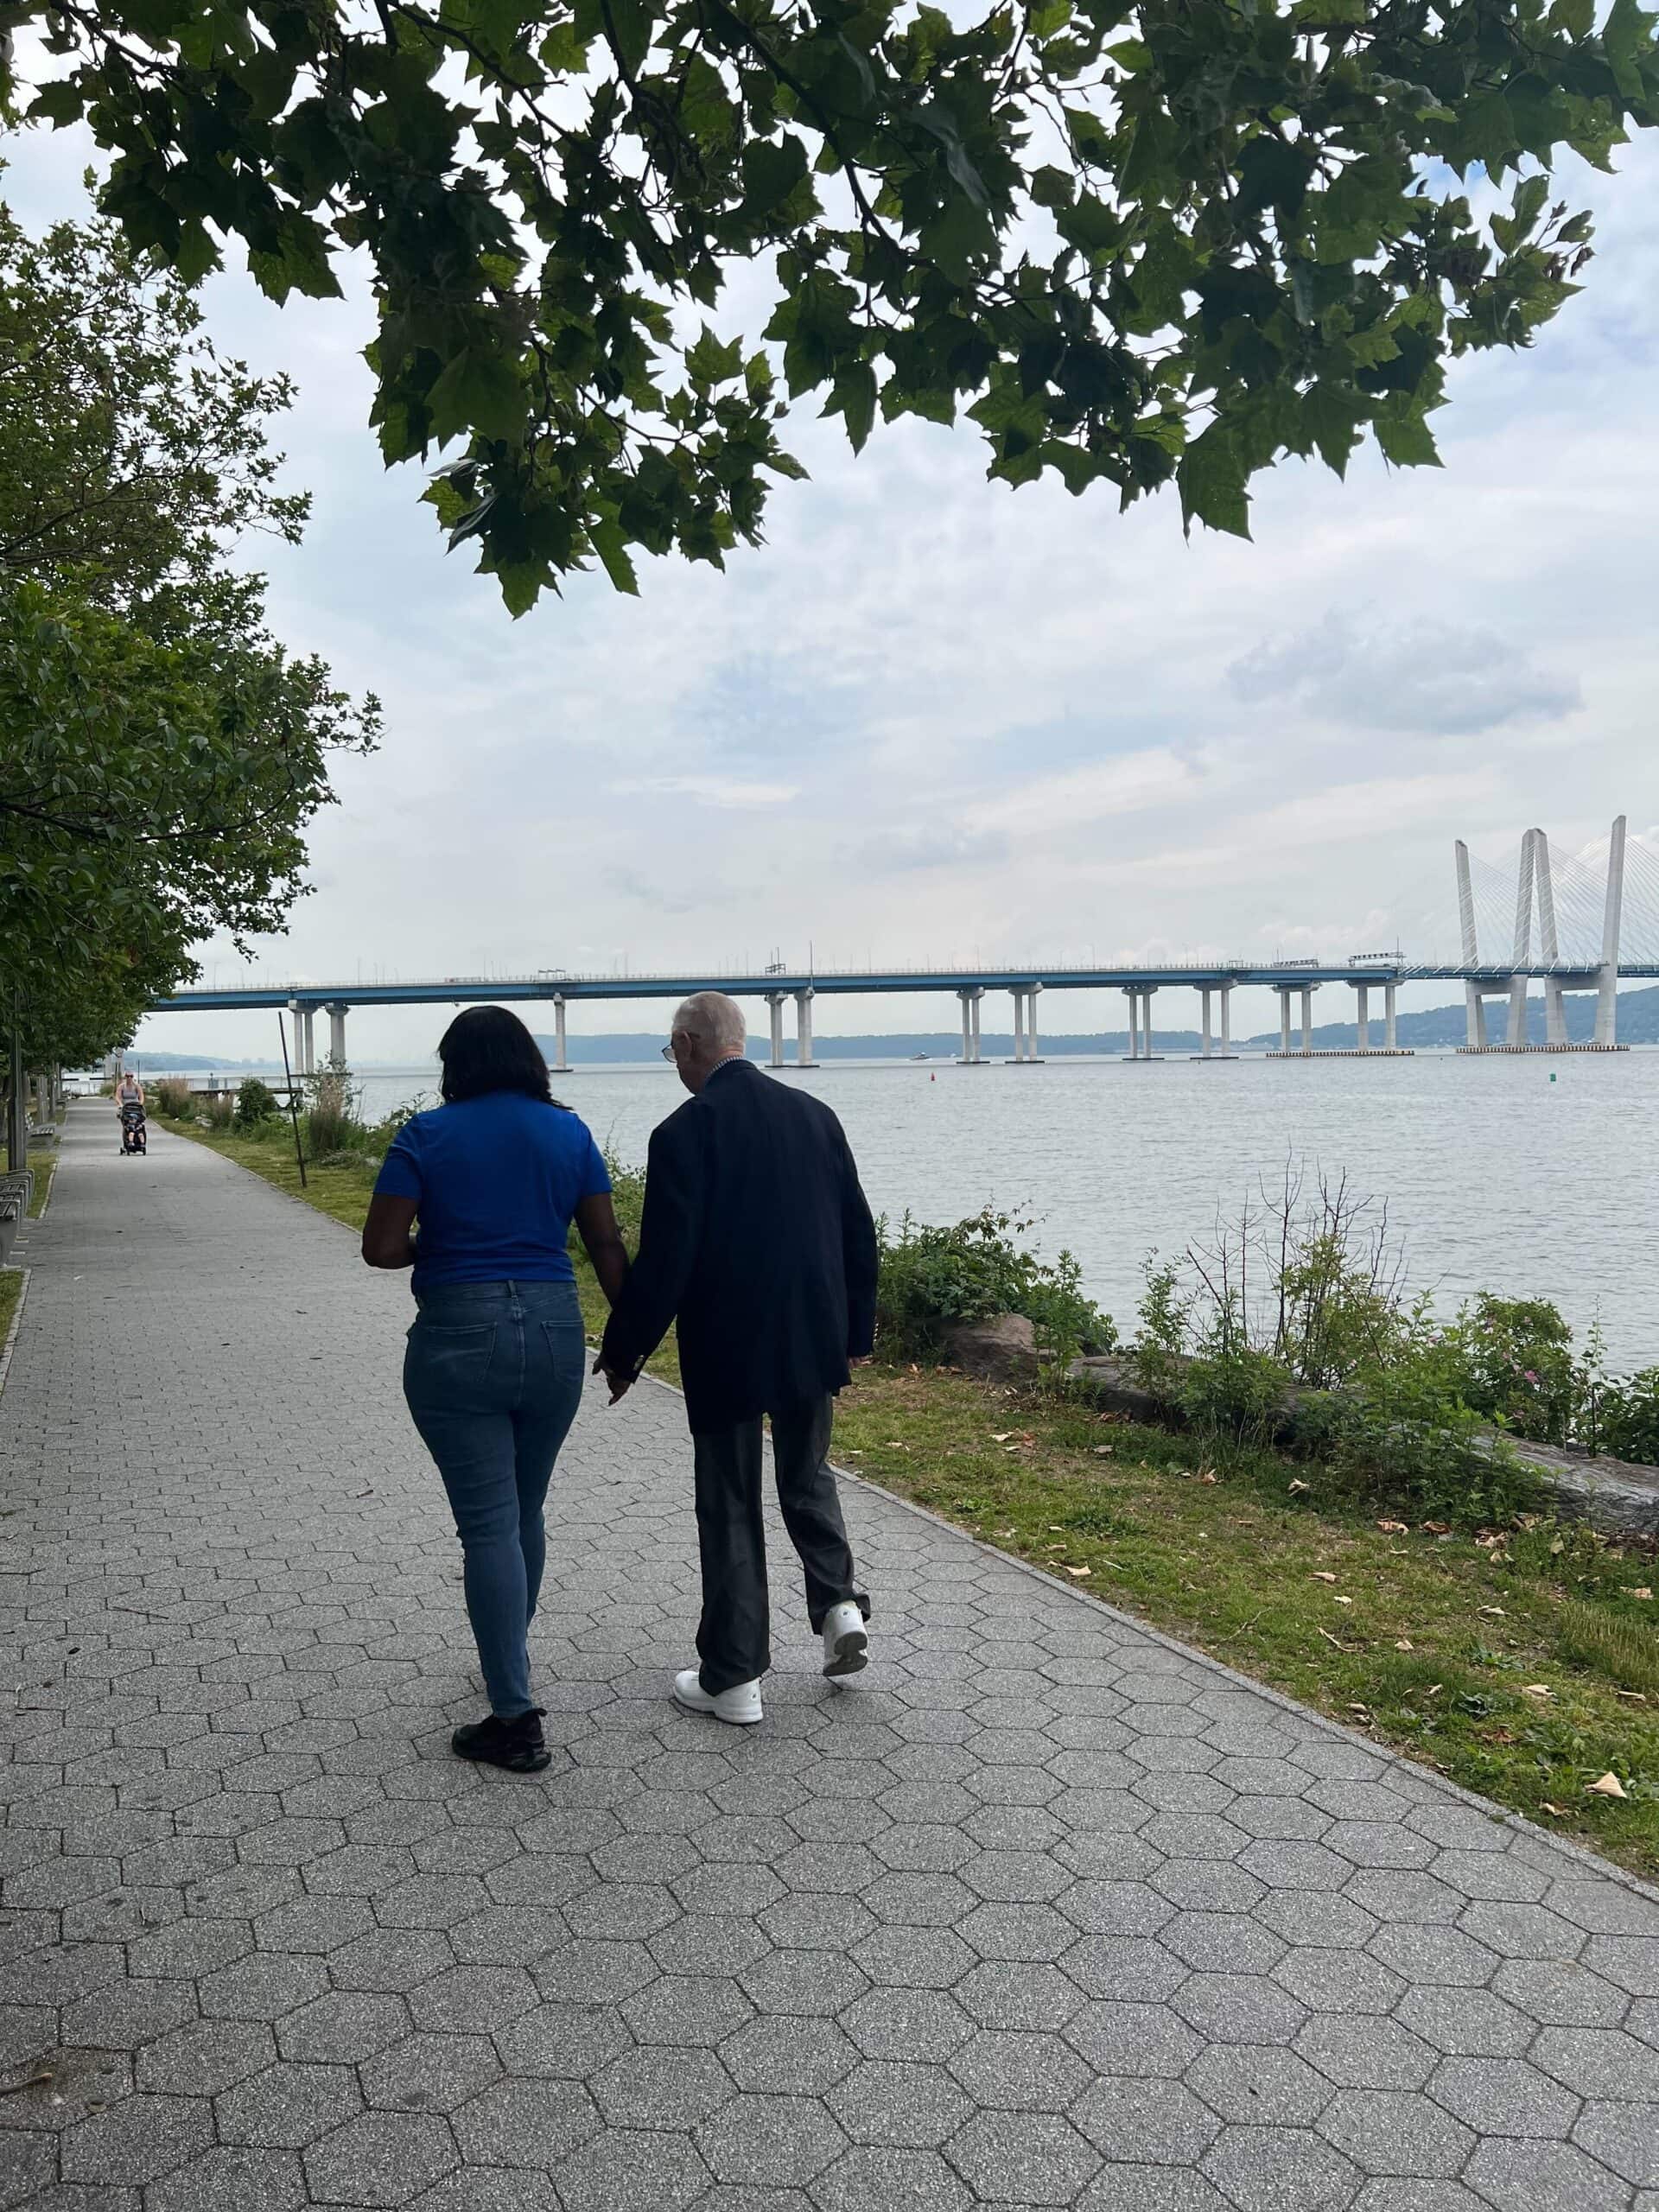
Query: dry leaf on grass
{"type": "Point", "coordinates": [1321, 1574]}
{"type": "Point", "coordinates": [1079, 1573]}
{"type": "Point", "coordinates": [1103, 1451]}
{"type": "Point", "coordinates": [1537, 1689]}
{"type": "Point", "coordinates": [1496, 1611]}
{"type": "Point", "coordinates": [1342, 1601]}
{"type": "Point", "coordinates": [1608, 1786]}
{"type": "Point", "coordinates": [1294, 1488]}
{"type": "Point", "coordinates": [1643, 1592]}
{"type": "Point", "coordinates": [1393, 1528]}
{"type": "Point", "coordinates": [1404, 1643]}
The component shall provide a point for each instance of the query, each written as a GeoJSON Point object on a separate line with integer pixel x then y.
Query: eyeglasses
{"type": "Point", "coordinates": [668, 1051]}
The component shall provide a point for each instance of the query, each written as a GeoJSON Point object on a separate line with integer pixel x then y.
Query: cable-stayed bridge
{"type": "Point", "coordinates": [1577, 923]}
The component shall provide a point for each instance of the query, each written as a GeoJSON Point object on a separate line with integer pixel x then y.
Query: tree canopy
{"type": "Point", "coordinates": [163, 753]}
{"type": "Point", "coordinates": [1170, 241]}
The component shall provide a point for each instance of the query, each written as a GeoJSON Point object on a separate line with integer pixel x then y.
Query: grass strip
{"type": "Point", "coordinates": [1522, 1663]}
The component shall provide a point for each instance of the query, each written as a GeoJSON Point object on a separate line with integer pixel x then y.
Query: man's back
{"type": "Point", "coordinates": [757, 1235]}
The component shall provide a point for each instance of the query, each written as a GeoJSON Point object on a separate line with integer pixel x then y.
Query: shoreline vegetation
{"type": "Point", "coordinates": [1399, 1580]}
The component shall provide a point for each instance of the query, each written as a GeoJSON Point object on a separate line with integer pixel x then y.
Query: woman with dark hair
{"type": "Point", "coordinates": [494, 1367]}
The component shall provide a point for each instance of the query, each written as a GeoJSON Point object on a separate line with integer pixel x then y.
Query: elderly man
{"type": "Point", "coordinates": [758, 1240]}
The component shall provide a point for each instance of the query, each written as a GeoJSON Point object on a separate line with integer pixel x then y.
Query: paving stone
{"type": "Point", "coordinates": [1281, 2170]}
{"type": "Point", "coordinates": [380, 2159]}
{"type": "Point", "coordinates": [1150, 2123]}
{"type": "Point", "coordinates": [660, 2086]}
{"type": "Point", "coordinates": [1259, 2084]}
{"type": "Point", "coordinates": [532, 2123]}
{"type": "Point", "coordinates": [1366, 2054]}
{"type": "Point", "coordinates": [630, 2170]}
{"type": "Point", "coordinates": [251, 2180]}
{"type": "Point", "coordinates": [1469, 2022]}
{"type": "Point", "coordinates": [343, 2026]}
{"type": "Point", "coordinates": [287, 2106]}
{"type": "Point", "coordinates": [430, 2073]}
{"type": "Point", "coordinates": [1516, 2176]}
{"type": "Point", "coordinates": [136, 2141]}
{"type": "Point", "coordinates": [1395, 2131]}
{"type": "Point", "coordinates": [770, 2141]}
{"type": "Point", "coordinates": [905, 2105]}
{"type": "Point", "coordinates": [867, 2177]}
{"type": "Point", "coordinates": [1025, 2158]}
{"type": "Point", "coordinates": [800, 2057]}
{"type": "Point", "coordinates": [565, 2045]}
{"type": "Point", "coordinates": [1503, 2096]}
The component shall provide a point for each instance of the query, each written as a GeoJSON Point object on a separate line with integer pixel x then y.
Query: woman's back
{"type": "Point", "coordinates": [496, 1179]}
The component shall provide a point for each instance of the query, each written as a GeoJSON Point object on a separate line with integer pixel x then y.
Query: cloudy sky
{"type": "Point", "coordinates": [934, 718]}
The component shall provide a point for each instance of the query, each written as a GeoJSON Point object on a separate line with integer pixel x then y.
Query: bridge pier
{"type": "Point", "coordinates": [1391, 1037]}
{"type": "Point", "coordinates": [337, 1013]}
{"type": "Point", "coordinates": [970, 999]}
{"type": "Point", "coordinates": [1362, 1017]}
{"type": "Point", "coordinates": [775, 1002]}
{"type": "Point", "coordinates": [304, 1054]}
{"type": "Point", "coordinates": [1025, 1024]}
{"type": "Point", "coordinates": [561, 1065]}
{"type": "Point", "coordinates": [1140, 1028]}
{"type": "Point", "coordinates": [1207, 1051]}
{"type": "Point", "coordinates": [804, 1029]}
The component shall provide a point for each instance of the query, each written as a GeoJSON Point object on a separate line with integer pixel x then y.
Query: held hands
{"type": "Point", "coordinates": [618, 1383]}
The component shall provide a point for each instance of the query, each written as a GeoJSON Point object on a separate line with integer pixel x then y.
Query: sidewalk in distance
{"type": "Point", "coordinates": [1051, 1912]}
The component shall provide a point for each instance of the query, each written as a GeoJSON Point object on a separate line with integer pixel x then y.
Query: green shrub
{"type": "Point", "coordinates": [1511, 1359]}
{"type": "Point", "coordinates": [218, 1113]}
{"type": "Point", "coordinates": [256, 1101]}
{"type": "Point", "coordinates": [931, 1277]}
{"type": "Point", "coordinates": [171, 1096]}
{"type": "Point", "coordinates": [1627, 1416]}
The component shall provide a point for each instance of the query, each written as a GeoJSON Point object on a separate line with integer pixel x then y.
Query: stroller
{"type": "Point", "coordinates": [133, 1137]}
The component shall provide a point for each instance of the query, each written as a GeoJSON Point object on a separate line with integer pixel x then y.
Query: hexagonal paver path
{"type": "Point", "coordinates": [1044, 1912]}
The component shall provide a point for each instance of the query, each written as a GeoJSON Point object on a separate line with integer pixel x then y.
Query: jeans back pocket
{"type": "Point", "coordinates": [445, 1362]}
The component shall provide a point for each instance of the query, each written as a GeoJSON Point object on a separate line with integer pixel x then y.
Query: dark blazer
{"type": "Point", "coordinates": [758, 1241]}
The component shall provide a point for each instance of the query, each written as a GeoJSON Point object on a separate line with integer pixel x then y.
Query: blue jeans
{"type": "Point", "coordinates": [493, 1375]}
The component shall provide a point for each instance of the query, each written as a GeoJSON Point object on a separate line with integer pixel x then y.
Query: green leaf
{"type": "Point", "coordinates": [477, 391]}
{"type": "Point", "coordinates": [608, 543]}
{"type": "Point", "coordinates": [1211, 478]}
{"type": "Point", "coordinates": [1404, 436]}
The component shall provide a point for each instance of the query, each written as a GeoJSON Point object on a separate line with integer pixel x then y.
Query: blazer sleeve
{"type": "Point", "coordinates": [671, 1230]}
{"type": "Point", "coordinates": [859, 1260]}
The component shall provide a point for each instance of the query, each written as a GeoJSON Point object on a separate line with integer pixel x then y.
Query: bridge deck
{"type": "Point", "coordinates": [1051, 1913]}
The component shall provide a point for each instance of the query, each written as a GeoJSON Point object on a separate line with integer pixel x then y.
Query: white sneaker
{"type": "Point", "coordinates": [846, 1640]}
{"type": "Point", "coordinates": [740, 1705]}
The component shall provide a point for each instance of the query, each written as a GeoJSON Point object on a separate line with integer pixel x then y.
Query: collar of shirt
{"type": "Point", "coordinates": [732, 1059]}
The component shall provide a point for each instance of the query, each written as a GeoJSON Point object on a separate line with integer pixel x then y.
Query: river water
{"type": "Point", "coordinates": [1495, 1177]}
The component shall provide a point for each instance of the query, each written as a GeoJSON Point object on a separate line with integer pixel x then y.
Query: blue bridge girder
{"type": "Point", "coordinates": [465, 990]}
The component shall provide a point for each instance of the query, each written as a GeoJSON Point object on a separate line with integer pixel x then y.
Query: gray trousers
{"type": "Point", "coordinates": [733, 1638]}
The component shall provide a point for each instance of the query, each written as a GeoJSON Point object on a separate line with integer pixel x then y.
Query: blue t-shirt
{"type": "Point", "coordinates": [496, 1180]}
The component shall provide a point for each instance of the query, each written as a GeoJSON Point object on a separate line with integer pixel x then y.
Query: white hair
{"type": "Point", "coordinates": [712, 1021]}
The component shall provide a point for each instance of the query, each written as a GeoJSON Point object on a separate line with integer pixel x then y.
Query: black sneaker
{"type": "Point", "coordinates": [516, 1745]}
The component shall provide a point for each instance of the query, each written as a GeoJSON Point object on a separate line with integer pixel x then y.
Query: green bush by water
{"type": "Point", "coordinates": [932, 1277]}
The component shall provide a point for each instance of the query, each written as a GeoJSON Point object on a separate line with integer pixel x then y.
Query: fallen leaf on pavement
{"type": "Point", "coordinates": [1608, 1786]}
